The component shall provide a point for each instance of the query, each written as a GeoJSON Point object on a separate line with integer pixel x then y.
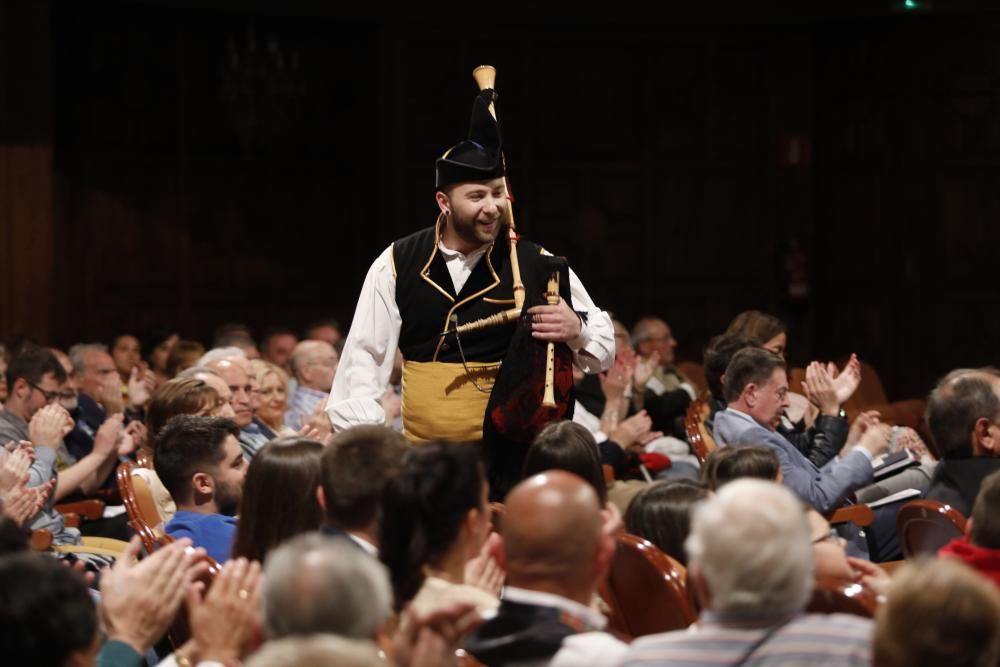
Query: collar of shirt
{"type": "Point", "coordinates": [748, 620]}
{"type": "Point", "coordinates": [459, 265]}
{"type": "Point", "coordinates": [592, 619]}
{"type": "Point", "coordinates": [743, 415]}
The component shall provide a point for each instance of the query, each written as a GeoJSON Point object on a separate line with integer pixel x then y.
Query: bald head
{"type": "Point", "coordinates": [552, 530]}
{"type": "Point", "coordinates": [961, 412]}
{"type": "Point", "coordinates": [314, 363]}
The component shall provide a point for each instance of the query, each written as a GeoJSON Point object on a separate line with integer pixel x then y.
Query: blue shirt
{"type": "Point", "coordinates": [212, 532]}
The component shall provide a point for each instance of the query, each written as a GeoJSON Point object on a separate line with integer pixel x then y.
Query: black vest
{"type": "Point", "coordinates": [425, 310]}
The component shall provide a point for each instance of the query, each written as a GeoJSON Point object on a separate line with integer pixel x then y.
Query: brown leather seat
{"type": "Point", "coordinates": [924, 526]}
{"type": "Point", "coordinates": [646, 590]}
{"type": "Point", "coordinates": [833, 596]}
{"type": "Point", "coordinates": [143, 514]}
{"type": "Point", "coordinates": [694, 426]}
{"type": "Point", "coordinates": [859, 514]}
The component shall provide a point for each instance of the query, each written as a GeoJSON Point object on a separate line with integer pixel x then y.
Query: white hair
{"type": "Point", "coordinates": [751, 542]}
{"type": "Point", "coordinates": [316, 584]}
{"type": "Point", "coordinates": [78, 352]}
{"type": "Point", "coordinates": [217, 354]}
{"type": "Point", "coordinates": [317, 651]}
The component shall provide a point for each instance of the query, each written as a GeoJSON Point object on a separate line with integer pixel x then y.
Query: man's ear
{"type": "Point", "coordinates": [443, 202]}
{"type": "Point", "coordinates": [321, 497]}
{"type": "Point", "coordinates": [498, 552]}
{"type": "Point", "coordinates": [750, 395]}
{"type": "Point", "coordinates": [203, 483]}
{"type": "Point", "coordinates": [984, 441]}
{"type": "Point", "coordinates": [21, 387]}
{"type": "Point", "coordinates": [605, 554]}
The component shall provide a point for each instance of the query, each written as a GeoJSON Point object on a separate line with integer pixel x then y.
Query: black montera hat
{"type": "Point", "coordinates": [478, 158]}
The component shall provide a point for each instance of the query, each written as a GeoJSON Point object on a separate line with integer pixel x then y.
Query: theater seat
{"type": "Point", "coordinates": [143, 514]}
{"type": "Point", "coordinates": [646, 590]}
{"type": "Point", "coordinates": [833, 596]}
{"type": "Point", "coordinates": [694, 427]}
{"type": "Point", "coordinates": [924, 526]}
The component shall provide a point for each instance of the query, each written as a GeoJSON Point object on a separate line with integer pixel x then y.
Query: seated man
{"type": "Point", "coordinates": [980, 547]}
{"type": "Point", "coordinates": [667, 392]}
{"type": "Point", "coordinates": [556, 553]}
{"type": "Point", "coordinates": [314, 364]}
{"type": "Point", "coordinates": [756, 389]}
{"type": "Point", "coordinates": [355, 468]}
{"type": "Point", "coordinates": [232, 366]}
{"type": "Point", "coordinates": [200, 463]}
{"type": "Point", "coordinates": [963, 413]}
{"type": "Point", "coordinates": [315, 585]}
{"type": "Point", "coordinates": [750, 563]}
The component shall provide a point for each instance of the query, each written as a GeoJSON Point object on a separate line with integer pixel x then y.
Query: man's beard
{"type": "Point", "coordinates": [472, 233]}
{"type": "Point", "coordinates": [227, 499]}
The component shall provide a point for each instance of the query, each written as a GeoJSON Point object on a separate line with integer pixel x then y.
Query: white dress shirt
{"type": "Point", "coordinates": [369, 352]}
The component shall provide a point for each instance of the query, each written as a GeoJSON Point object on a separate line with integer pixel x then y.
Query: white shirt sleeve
{"type": "Point", "coordinates": [369, 352]}
{"type": "Point", "coordinates": [597, 338]}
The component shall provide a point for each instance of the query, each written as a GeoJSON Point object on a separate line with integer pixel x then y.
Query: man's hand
{"type": "Point", "coordinates": [137, 431]}
{"type": "Point", "coordinates": [111, 396]}
{"type": "Point", "coordinates": [644, 369]}
{"type": "Point", "coordinates": [223, 620]}
{"type": "Point", "coordinates": [617, 378]}
{"type": "Point", "coordinates": [106, 438]}
{"type": "Point", "coordinates": [139, 600]}
{"type": "Point", "coordinates": [22, 503]}
{"type": "Point", "coordinates": [141, 383]}
{"type": "Point", "coordinates": [612, 525]}
{"type": "Point", "coordinates": [876, 439]}
{"type": "Point", "coordinates": [15, 465]}
{"type": "Point", "coordinates": [819, 389]}
{"type": "Point", "coordinates": [49, 426]}
{"type": "Point", "coordinates": [558, 323]}
{"type": "Point", "coordinates": [871, 575]}
{"type": "Point", "coordinates": [861, 424]}
{"type": "Point", "coordinates": [846, 382]}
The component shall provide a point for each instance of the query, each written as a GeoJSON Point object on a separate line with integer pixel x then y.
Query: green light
{"type": "Point", "coordinates": [910, 4]}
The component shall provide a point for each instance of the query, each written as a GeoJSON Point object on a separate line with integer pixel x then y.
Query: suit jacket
{"type": "Point", "coordinates": [956, 482]}
{"type": "Point", "coordinates": [824, 488]}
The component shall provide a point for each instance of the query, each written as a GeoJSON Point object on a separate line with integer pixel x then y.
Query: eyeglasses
{"type": "Point", "coordinates": [831, 536]}
{"type": "Point", "coordinates": [50, 396]}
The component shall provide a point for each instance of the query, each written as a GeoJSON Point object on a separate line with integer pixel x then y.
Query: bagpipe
{"type": "Point", "coordinates": [535, 382]}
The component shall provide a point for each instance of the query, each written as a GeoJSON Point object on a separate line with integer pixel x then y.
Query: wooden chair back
{"type": "Point", "coordinates": [144, 458]}
{"type": "Point", "coordinates": [924, 526]}
{"type": "Point", "coordinates": [833, 596]}
{"type": "Point", "coordinates": [646, 590]}
{"type": "Point", "coordinates": [695, 372]}
{"type": "Point", "coordinates": [143, 514]}
{"type": "Point", "coordinates": [859, 514]}
{"type": "Point", "coordinates": [694, 427]}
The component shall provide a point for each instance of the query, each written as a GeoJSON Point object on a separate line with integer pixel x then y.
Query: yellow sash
{"type": "Point", "coordinates": [440, 402]}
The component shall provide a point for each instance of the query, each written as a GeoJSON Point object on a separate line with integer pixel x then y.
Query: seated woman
{"type": "Point", "coordinates": [831, 560]}
{"type": "Point", "coordinates": [729, 463]}
{"type": "Point", "coordinates": [279, 496]}
{"type": "Point", "coordinates": [435, 519]}
{"type": "Point", "coordinates": [568, 446]}
{"type": "Point", "coordinates": [273, 385]}
{"type": "Point", "coordinates": [661, 513]}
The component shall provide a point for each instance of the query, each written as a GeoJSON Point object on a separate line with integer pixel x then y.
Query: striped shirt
{"type": "Point", "coordinates": [808, 639]}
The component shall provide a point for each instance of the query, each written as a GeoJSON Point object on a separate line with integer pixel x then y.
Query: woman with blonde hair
{"type": "Point", "coordinates": [273, 389]}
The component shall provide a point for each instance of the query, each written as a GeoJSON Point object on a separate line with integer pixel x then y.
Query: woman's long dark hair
{"type": "Point", "coordinates": [661, 513]}
{"type": "Point", "coordinates": [567, 446]}
{"type": "Point", "coordinates": [423, 509]}
{"type": "Point", "coordinates": [279, 496]}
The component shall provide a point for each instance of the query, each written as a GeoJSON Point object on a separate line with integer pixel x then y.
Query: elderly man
{"type": "Point", "coordinates": [231, 364]}
{"type": "Point", "coordinates": [963, 413]}
{"type": "Point", "coordinates": [314, 364]}
{"type": "Point", "coordinates": [276, 345]}
{"type": "Point", "coordinates": [756, 390]}
{"type": "Point", "coordinates": [455, 272]}
{"type": "Point", "coordinates": [556, 553]}
{"type": "Point", "coordinates": [751, 562]}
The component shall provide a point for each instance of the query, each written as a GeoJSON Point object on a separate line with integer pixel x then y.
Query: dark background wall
{"type": "Point", "coordinates": [181, 164]}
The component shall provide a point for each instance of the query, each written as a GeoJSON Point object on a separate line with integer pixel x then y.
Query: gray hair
{"type": "Point", "coordinates": [220, 353]}
{"type": "Point", "coordinates": [317, 651]}
{"type": "Point", "coordinates": [78, 352]}
{"type": "Point", "coordinates": [316, 584]}
{"type": "Point", "coordinates": [194, 371]}
{"type": "Point", "coordinates": [643, 329]}
{"type": "Point", "coordinates": [751, 542]}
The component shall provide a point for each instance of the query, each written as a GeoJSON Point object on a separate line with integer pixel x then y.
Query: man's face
{"type": "Point", "coordinates": [68, 393]}
{"type": "Point", "coordinates": [767, 402]}
{"type": "Point", "coordinates": [238, 382]}
{"type": "Point", "coordinates": [229, 476]}
{"type": "Point", "coordinates": [319, 370]}
{"type": "Point", "coordinates": [98, 371]}
{"type": "Point", "coordinates": [47, 391]}
{"type": "Point", "coordinates": [279, 349]}
{"type": "Point", "coordinates": [477, 210]}
{"type": "Point", "coordinates": [623, 341]}
{"type": "Point", "coordinates": [125, 354]}
{"type": "Point", "coordinates": [325, 333]}
{"type": "Point", "coordinates": [661, 340]}
{"type": "Point", "coordinates": [225, 408]}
